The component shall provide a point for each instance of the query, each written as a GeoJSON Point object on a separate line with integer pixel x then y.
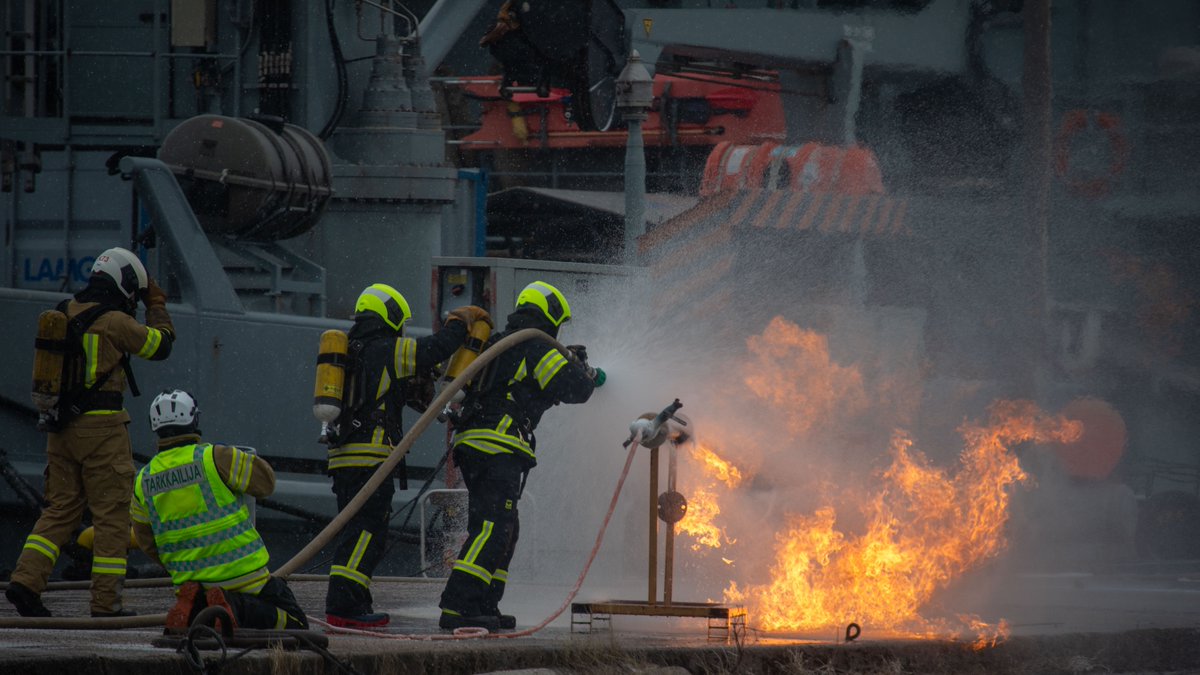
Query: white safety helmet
{"type": "Point", "coordinates": [123, 268]}
{"type": "Point", "coordinates": [174, 408]}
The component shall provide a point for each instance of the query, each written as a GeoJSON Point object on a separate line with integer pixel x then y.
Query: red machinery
{"type": "Point", "coordinates": [688, 111]}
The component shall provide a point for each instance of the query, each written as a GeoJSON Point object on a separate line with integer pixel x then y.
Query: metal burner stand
{"type": "Point", "coordinates": [724, 622]}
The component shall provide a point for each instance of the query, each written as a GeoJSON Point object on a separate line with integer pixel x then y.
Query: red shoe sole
{"type": "Point", "coordinates": [343, 622]}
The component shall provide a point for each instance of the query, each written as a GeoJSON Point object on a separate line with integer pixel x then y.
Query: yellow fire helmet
{"type": "Point", "coordinates": [548, 299]}
{"type": "Point", "coordinates": [386, 302]}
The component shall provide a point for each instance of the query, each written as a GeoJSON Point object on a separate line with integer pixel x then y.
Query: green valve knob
{"type": "Point", "coordinates": [599, 378]}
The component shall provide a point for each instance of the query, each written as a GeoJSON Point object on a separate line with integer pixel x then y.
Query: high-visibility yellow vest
{"type": "Point", "coordinates": [202, 529]}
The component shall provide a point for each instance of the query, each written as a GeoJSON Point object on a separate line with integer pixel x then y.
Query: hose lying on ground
{"type": "Point", "coordinates": [384, 472]}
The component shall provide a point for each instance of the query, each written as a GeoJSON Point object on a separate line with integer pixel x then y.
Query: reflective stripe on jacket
{"type": "Point", "coordinates": [387, 363]}
{"type": "Point", "coordinates": [529, 379]}
{"type": "Point", "coordinates": [201, 528]}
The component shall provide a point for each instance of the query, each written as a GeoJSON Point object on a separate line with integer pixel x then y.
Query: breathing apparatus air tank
{"type": "Point", "coordinates": [470, 350]}
{"type": "Point", "coordinates": [87, 538]}
{"type": "Point", "coordinates": [466, 354]}
{"type": "Point", "coordinates": [49, 350]}
{"type": "Point", "coordinates": [331, 376]}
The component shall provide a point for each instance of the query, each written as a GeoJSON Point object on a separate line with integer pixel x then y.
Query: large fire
{"type": "Point", "coordinates": [790, 369]}
{"type": "Point", "coordinates": [922, 525]}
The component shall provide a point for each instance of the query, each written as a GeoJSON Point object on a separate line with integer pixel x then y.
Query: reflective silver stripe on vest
{"type": "Point", "coordinates": [217, 560]}
{"type": "Point", "coordinates": [208, 540]}
{"type": "Point", "coordinates": [213, 511]}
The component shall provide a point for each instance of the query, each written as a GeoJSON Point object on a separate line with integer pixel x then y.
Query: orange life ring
{"type": "Point", "coordinates": [1075, 121]}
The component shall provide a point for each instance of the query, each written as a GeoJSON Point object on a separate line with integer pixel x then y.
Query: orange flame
{"type": "Point", "coordinates": [718, 468]}
{"type": "Point", "coordinates": [924, 527]}
{"type": "Point", "coordinates": [791, 369]}
{"type": "Point", "coordinates": [699, 522]}
{"type": "Point", "coordinates": [703, 507]}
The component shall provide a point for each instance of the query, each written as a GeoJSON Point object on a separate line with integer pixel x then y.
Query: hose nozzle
{"type": "Point", "coordinates": [655, 429]}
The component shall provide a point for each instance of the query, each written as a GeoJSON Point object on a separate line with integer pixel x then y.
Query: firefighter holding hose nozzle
{"type": "Point", "coordinates": [381, 369]}
{"type": "Point", "coordinates": [493, 446]}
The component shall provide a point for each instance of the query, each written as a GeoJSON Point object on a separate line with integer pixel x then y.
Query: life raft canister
{"type": "Point", "coordinates": [1084, 183]}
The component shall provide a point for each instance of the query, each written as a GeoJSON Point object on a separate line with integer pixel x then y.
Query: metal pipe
{"type": "Point", "coordinates": [635, 188]}
{"type": "Point", "coordinates": [652, 568]}
{"type": "Point", "coordinates": [30, 62]}
{"type": "Point", "coordinates": [658, 131]}
{"type": "Point", "coordinates": [156, 90]}
{"type": "Point", "coordinates": [69, 181]}
{"type": "Point", "coordinates": [1037, 93]}
{"type": "Point", "coordinates": [669, 545]}
{"type": "Point", "coordinates": [237, 72]}
{"type": "Point", "coordinates": [64, 65]}
{"type": "Point", "coordinates": [441, 28]}
{"type": "Point", "coordinates": [77, 52]}
{"type": "Point", "coordinates": [10, 245]}
{"type": "Point", "coordinates": [391, 11]}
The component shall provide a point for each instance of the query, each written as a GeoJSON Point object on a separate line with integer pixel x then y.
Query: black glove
{"type": "Point", "coordinates": [579, 351]}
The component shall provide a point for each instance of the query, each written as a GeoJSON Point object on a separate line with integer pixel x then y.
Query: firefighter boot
{"type": "Point", "coordinates": [179, 617]}
{"type": "Point", "coordinates": [451, 620]}
{"type": "Point", "coordinates": [507, 621]}
{"type": "Point", "coordinates": [215, 597]}
{"type": "Point", "coordinates": [368, 620]}
{"type": "Point", "coordinates": [25, 600]}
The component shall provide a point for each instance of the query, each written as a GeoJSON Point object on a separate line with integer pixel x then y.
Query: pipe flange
{"type": "Point", "coordinates": [672, 507]}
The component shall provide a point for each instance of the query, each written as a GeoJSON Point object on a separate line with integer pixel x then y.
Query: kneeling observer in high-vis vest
{"type": "Point", "coordinates": [189, 514]}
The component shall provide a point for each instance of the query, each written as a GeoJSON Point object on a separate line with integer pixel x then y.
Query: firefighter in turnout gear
{"type": "Point", "coordinates": [494, 449]}
{"type": "Point", "coordinates": [382, 371]}
{"type": "Point", "coordinates": [89, 458]}
{"type": "Point", "coordinates": [191, 516]}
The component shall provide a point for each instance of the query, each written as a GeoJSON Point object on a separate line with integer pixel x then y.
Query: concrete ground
{"type": "Point", "coordinates": [1062, 624]}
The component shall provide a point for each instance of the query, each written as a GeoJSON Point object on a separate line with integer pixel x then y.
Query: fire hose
{"type": "Point", "coordinates": [476, 633]}
{"type": "Point", "coordinates": [382, 473]}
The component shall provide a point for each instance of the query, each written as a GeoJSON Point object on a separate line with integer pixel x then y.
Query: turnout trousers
{"type": "Point", "coordinates": [479, 575]}
{"type": "Point", "coordinates": [360, 544]}
{"type": "Point", "coordinates": [89, 464]}
{"type": "Point", "coordinates": [273, 607]}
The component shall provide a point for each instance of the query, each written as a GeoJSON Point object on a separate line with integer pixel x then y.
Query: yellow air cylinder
{"type": "Point", "coordinates": [466, 354]}
{"type": "Point", "coordinates": [87, 538]}
{"type": "Point", "coordinates": [49, 349]}
{"type": "Point", "coordinates": [331, 376]}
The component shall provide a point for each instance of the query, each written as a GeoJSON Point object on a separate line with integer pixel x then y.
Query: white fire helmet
{"type": "Point", "coordinates": [124, 268]}
{"type": "Point", "coordinates": [173, 408]}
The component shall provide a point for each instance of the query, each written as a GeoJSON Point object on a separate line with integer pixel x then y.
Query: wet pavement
{"type": "Point", "coordinates": [1116, 623]}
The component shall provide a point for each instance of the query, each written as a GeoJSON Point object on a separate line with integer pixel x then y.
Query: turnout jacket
{"type": "Point", "coordinates": [105, 344]}
{"type": "Point", "coordinates": [383, 366]}
{"type": "Point", "coordinates": [514, 392]}
{"type": "Point", "coordinates": [188, 515]}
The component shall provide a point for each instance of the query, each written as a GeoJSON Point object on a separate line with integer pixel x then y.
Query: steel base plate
{"type": "Point", "coordinates": [724, 623]}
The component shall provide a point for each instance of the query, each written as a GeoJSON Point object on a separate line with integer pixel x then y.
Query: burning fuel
{"type": "Point", "coordinates": [790, 369]}
{"type": "Point", "coordinates": [919, 526]}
